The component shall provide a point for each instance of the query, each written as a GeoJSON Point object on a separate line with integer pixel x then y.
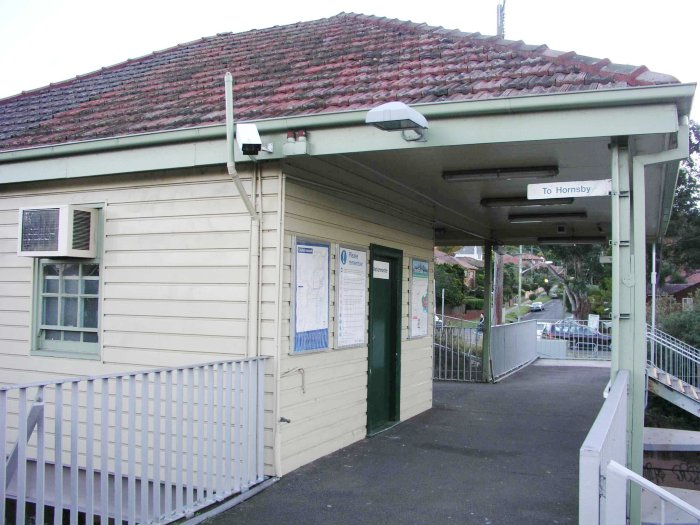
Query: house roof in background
{"type": "Point", "coordinates": [345, 62]}
{"type": "Point", "coordinates": [443, 258]}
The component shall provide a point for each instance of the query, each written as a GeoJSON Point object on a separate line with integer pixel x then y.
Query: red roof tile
{"type": "Point", "coordinates": [345, 62]}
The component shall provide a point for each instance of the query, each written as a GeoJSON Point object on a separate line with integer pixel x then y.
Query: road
{"type": "Point", "coordinates": [553, 311]}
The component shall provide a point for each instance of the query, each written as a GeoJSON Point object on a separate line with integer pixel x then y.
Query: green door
{"type": "Point", "coordinates": [383, 378]}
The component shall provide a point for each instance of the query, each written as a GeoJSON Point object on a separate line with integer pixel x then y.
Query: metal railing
{"type": "Point", "coordinates": [606, 441]}
{"type": "Point", "coordinates": [572, 339]}
{"type": "Point", "coordinates": [512, 347]}
{"type": "Point", "coordinates": [616, 486]}
{"type": "Point", "coordinates": [603, 480]}
{"type": "Point", "coordinates": [674, 356]}
{"type": "Point", "coordinates": [146, 446]}
{"type": "Point", "coordinates": [457, 353]}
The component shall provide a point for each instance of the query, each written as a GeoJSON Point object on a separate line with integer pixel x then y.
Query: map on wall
{"type": "Point", "coordinates": [312, 266]}
{"type": "Point", "coordinates": [419, 298]}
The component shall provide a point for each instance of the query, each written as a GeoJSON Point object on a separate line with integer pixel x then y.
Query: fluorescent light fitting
{"type": "Point", "coordinates": [396, 116]}
{"type": "Point", "coordinates": [571, 241]}
{"type": "Point", "coordinates": [534, 172]}
{"type": "Point", "coordinates": [507, 202]}
{"type": "Point", "coordinates": [544, 217]}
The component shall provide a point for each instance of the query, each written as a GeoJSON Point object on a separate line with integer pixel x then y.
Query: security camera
{"type": "Point", "coordinates": [248, 139]}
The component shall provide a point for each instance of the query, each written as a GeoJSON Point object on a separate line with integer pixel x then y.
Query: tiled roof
{"type": "Point", "coordinates": [444, 258]}
{"type": "Point", "coordinates": [345, 62]}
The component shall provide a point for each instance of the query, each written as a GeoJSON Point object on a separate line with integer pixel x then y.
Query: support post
{"type": "Point", "coordinates": [498, 286]}
{"type": "Point", "coordinates": [488, 302]}
{"type": "Point", "coordinates": [623, 309]}
{"type": "Point", "coordinates": [520, 278]}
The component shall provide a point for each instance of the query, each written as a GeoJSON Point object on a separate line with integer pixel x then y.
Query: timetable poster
{"type": "Point", "coordinates": [419, 298]}
{"type": "Point", "coordinates": [351, 297]}
{"type": "Point", "coordinates": [312, 267]}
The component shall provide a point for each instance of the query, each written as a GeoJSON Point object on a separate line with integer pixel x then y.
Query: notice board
{"type": "Point", "coordinates": [419, 298]}
{"type": "Point", "coordinates": [351, 297]}
{"type": "Point", "coordinates": [311, 295]}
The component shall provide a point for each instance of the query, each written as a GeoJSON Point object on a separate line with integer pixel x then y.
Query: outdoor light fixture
{"type": "Point", "coordinates": [397, 116]}
{"type": "Point", "coordinates": [544, 217]}
{"type": "Point", "coordinates": [571, 241]}
{"type": "Point", "coordinates": [534, 172]}
{"type": "Point", "coordinates": [506, 202]}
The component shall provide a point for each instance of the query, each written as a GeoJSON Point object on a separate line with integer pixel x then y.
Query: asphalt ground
{"type": "Point", "coordinates": [485, 454]}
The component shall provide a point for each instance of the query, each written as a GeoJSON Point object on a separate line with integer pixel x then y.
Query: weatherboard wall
{"type": "Point", "coordinates": [174, 274]}
{"type": "Point", "coordinates": [324, 394]}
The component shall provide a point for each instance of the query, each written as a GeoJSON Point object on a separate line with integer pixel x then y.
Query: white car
{"type": "Point", "coordinates": [537, 306]}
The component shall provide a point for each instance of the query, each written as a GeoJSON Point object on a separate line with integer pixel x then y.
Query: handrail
{"type": "Point", "coordinates": [617, 477]}
{"type": "Point", "coordinates": [671, 342]}
{"type": "Point", "coordinates": [674, 356]}
{"type": "Point", "coordinates": [114, 375]}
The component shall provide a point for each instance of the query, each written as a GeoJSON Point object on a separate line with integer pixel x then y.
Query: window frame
{"type": "Point", "coordinates": [68, 349]}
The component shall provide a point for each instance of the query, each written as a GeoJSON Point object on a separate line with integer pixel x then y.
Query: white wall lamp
{"type": "Point", "coordinates": [397, 116]}
{"type": "Point", "coordinates": [526, 218]}
{"type": "Point", "coordinates": [509, 202]}
{"type": "Point", "coordinates": [534, 172]}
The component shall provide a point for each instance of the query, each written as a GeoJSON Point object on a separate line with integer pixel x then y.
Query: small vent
{"type": "Point", "coordinates": [81, 230]}
{"type": "Point", "coordinates": [40, 230]}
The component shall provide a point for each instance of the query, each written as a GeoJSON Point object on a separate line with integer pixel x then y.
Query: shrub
{"type": "Point", "coordinates": [473, 303]}
{"type": "Point", "coordinates": [532, 296]}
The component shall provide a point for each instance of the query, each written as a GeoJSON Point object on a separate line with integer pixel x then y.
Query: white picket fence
{"type": "Point", "coordinates": [150, 446]}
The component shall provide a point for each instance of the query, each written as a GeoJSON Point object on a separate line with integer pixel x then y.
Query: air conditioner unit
{"type": "Point", "coordinates": [57, 231]}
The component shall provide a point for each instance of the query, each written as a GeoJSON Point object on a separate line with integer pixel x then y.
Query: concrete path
{"type": "Point", "coordinates": [485, 454]}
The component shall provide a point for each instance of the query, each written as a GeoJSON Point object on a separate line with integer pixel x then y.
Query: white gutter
{"type": "Point", "coordinates": [680, 152]}
{"type": "Point", "coordinates": [252, 347]}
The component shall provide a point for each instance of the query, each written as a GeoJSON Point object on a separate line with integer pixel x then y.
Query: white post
{"type": "Point", "coordinates": [520, 278]}
{"type": "Point", "coordinates": [443, 307]}
{"type": "Point", "coordinates": [653, 286]}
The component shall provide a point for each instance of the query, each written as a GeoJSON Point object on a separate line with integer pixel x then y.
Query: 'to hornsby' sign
{"type": "Point", "coordinates": [581, 188]}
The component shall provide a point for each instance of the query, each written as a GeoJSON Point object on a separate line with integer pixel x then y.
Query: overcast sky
{"type": "Point", "coordinates": [43, 41]}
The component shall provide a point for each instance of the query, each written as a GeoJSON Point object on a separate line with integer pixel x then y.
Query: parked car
{"type": "Point", "coordinates": [537, 306]}
{"type": "Point", "coordinates": [579, 335]}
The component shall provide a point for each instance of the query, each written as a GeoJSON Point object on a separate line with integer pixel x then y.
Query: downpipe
{"type": "Point", "coordinates": [252, 348]}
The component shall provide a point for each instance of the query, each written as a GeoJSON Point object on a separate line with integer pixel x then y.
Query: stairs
{"type": "Point", "coordinates": [673, 371]}
{"type": "Point", "coordinates": [673, 390]}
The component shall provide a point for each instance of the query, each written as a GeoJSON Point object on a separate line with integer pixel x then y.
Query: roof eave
{"type": "Point", "coordinates": [679, 94]}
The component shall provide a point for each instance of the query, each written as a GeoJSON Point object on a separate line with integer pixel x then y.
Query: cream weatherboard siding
{"type": "Point", "coordinates": [324, 394]}
{"type": "Point", "coordinates": [174, 274]}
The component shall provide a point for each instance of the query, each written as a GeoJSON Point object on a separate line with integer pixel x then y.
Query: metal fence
{"type": "Point", "coordinates": [512, 347]}
{"type": "Point", "coordinates": [142, 447]}
{"type": "Point", "coordinates": [674, 356]}
{"type": "Point", "coordinates": [457, 352]}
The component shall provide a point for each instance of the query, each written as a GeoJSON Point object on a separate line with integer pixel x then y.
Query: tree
{"type": "Point", "coordinates": [450, 277]}
{"type": "Point", "coordinates": [684, 325]}
{"type": "Point", "coordinates": [682, 251]}
{"type": "Point", "coordinates": [580, 268]}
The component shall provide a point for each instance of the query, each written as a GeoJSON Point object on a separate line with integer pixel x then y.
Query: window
{"type": "Point", "coordinates": [68, 308]}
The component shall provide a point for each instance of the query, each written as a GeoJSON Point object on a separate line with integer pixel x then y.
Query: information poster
{"type": "Point", "coordinates": [351, 290]}
{"type": "Point", "coordinates": [419, 298]}
{"type": "Point", "coordinates": [311, 296]}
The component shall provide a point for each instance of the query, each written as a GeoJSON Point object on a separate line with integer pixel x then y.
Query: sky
{"type": "Point", "coordinates": [44, 41]}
